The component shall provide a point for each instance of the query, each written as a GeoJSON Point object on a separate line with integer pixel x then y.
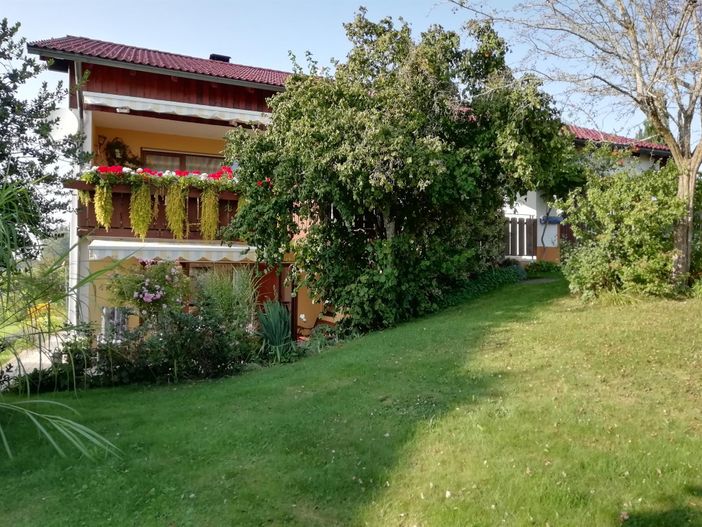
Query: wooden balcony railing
{"type": "Point", "coordinates": [121, 226]}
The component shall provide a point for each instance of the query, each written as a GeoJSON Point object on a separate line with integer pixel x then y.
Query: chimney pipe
{"type": "Point", "coordinates": [218, 57]}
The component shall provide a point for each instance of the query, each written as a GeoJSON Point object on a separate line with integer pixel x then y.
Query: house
{"type": "Point", "coordinates": [533, 230]}
{"type": "Point", "coordinates": [170, 112]}
{"type": "Point", "coordinates": [167, 112]}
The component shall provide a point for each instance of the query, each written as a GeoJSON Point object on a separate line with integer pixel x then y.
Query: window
{"type": "Point", "coordinates": [177, 161]}
{"type": "Point", "coordinates": [114, 324]}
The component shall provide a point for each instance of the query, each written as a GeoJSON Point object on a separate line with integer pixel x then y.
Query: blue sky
{"type": "Point", "coordinates": [253, 33]}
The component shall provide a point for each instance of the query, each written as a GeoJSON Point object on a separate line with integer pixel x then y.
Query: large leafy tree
{"type": "Point", "coordinates": [387, 177]}
{"type": "Point", "coordinates": [30, 155]}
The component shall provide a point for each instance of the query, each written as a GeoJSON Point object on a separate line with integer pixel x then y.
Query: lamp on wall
{"type": "Point", "coordinates": [122, 109]}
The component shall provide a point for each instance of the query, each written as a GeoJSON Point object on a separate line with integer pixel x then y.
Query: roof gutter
{"type": "Point", "coordinates": [148, 69]}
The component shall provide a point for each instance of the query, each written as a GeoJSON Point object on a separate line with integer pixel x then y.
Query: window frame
{"type": "Point", "coordinates": [173, 153]}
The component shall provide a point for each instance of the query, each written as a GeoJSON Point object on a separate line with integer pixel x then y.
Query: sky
{"type": "Point", "coordinates": [256, 33]}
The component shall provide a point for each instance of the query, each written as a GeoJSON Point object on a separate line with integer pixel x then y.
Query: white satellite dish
{"type": "Point", "coordinates": [67, 123]}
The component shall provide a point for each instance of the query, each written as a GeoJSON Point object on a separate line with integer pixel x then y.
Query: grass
{"type": "Point", "coordinates": [522, 407]}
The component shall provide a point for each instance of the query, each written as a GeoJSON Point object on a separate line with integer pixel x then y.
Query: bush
{"type": "Point", "coordinates": [170, 345]}
{"type": "Point", "coordinates": [541, 267]}
{"type": "Point", "coordinates": [623, 226]}
{"type": "Point", "coordinates": [151, 288]}
{"type": "Point", "coordinates": [324, 336]}
{"type": "Point", "coordinates": [488, 281]}
{"type": "Point", "coordinates": [231, 295]}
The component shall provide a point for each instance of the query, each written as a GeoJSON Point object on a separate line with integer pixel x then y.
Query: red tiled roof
{"type": "Point", "coordinates": [88, 47]}
{"type": "Point", "coordinates": [588, 134]}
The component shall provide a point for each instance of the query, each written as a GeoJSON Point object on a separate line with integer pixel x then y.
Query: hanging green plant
{"type": "Point", "coordinates": [140, 211]}
{"type": "Point", "coordinates": [103, 205]}
{"type": "Point", "coordinates": [176, 197]}
{"type": "Point", "coordinates": [209, 213]}
{"type": "Point", "coordinates": [84, 197]}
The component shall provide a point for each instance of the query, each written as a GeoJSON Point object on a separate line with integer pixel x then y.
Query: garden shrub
{"type": "Point", "coordinates": [541, 267]}
{"type": "Point", "coordinates": [231, 294]}
{"type": "Point", "coordinates": [488, 281]}
{"type": "Point", "coordinates": [623, 225]}
{"type": "Point", "coordinates": [170, 344]}
{"type": "Point", "coordinates": [152, 288]}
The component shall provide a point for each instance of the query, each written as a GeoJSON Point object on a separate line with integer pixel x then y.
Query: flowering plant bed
{"type": "Point", "coordinates": [149, 187]}
{"type": "Point", "coordinates": [223, 179]}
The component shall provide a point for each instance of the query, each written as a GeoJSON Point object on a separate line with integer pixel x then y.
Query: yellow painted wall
{"type": "Point", "coordinates": [311, 310]}
{"type": "Point", "coordinates": [136, 140]}
{"type": "Point", "coordinates": [99, 295]}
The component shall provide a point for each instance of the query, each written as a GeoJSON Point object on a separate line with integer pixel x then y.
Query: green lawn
{"type": "Point", "coordinates": [522, 407]}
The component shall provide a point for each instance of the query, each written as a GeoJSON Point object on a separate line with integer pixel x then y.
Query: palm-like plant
{"type": "Point", "coordinates": [16, 210]}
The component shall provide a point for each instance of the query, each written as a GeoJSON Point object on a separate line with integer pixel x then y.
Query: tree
{"type": "Point", "coordinates": [28, 185]}
{"type": "Point", "coordinates": [387, 177]}
{"type": "Point", "coordinates": [29, 153]}
{"type": "Point", "coordinates": [645, 54]}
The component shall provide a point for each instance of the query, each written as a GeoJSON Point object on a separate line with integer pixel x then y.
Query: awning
{"type": "Point", "coordinates": [230, 115]}
{"type": "Point", "coordinates": [184, 252]}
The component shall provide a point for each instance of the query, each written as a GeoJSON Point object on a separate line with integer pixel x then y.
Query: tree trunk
{"type": "Point", "coordinates": [388, 224]}
{"type": "Point", "coordinates": [682, 237]}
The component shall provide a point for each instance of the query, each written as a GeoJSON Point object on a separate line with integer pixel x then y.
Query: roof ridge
{"type": "Point", "coordinates": [169, 53]}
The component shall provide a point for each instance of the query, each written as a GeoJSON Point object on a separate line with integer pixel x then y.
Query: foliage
{"type": "Point", "coordinates": [153, 288]}
{"type": "Point", "coordinates": [19, 215]}
{"type": "Point", "coordinates": [176, 214]}
{"type": "Point", "coordinates": [230, 294]}
{"type": "Point", "coordinates": [29, 194]}
{"type": "Point", "coordinates": [387, 179]}
{"type": "Point", "coordinates": [170, 345]}
{"type": "Point", "coordinates": [222, 179]}
{"type": "Point", "coordinates": [29, 152]}
{"type": "Point", "coordinates": [696, 256]}
{"type": "Point", "coordinates": [140, 210]}
{"type": "Point", "coordinates": [324, 336]}
{"type": "Point", "coordinates": [274, 320]}
{"type": "Point", "coordinates": [103, 205]}
{"type": "Point", "coordinates": [648, 132]}
{"type": "Point", "coordinates": [623, 225]}
{"type": "Point", "coordinates": [541, 267]}
{"type": "Point", "coordinates": [487, 282]}
{"type": "Point", "coordinates": [176, 347]}
{"type": "Point", "coordinates": [176, 185]}
{"type": "Point", "coordinates": [209, 214]}
{"type": "Point", "coordinates": [196, 346]}
{"type": "Point", "coordinates": [641, 56]}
